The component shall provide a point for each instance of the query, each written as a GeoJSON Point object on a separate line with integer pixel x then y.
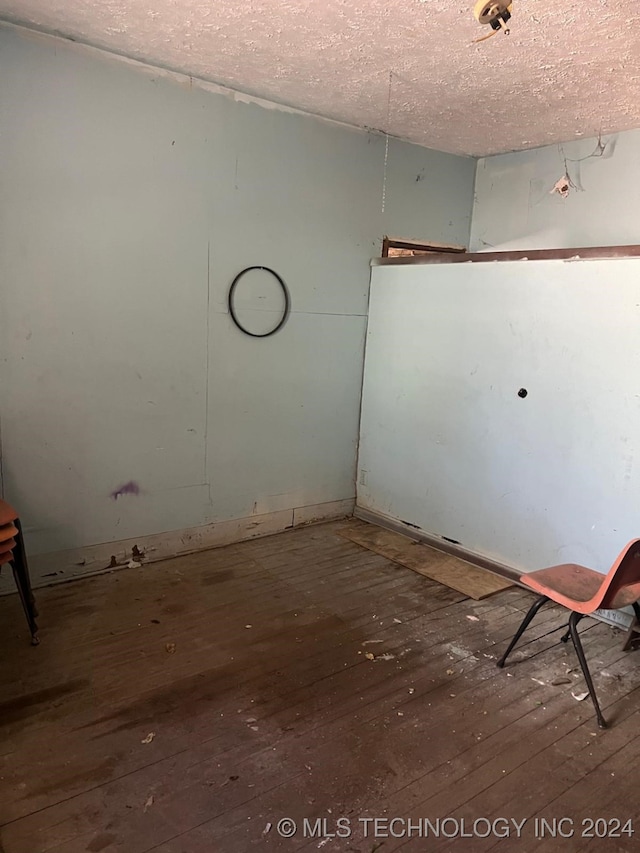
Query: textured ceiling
{"type": "Point", "coordinates": [567, 70]}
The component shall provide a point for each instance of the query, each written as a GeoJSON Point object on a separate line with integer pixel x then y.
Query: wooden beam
{"type": "Point", "coordinates": [452, 257]}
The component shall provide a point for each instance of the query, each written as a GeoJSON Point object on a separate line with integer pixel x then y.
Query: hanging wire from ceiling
{"type": "Point", "coordinates": [598, 151]}
{"type": "Point", "coordinates": [386, 143]}
{"type": "Point", "coordinates": [566, 183]}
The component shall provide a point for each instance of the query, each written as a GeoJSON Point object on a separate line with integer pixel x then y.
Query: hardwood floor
{"type": "Point", "coordinates": [190, 705]}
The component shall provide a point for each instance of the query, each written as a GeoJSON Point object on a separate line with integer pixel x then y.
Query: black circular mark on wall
{"type": "Point", "coordinates": [285, 313]}
{"type": "Point", "coordinates": [522, 393]}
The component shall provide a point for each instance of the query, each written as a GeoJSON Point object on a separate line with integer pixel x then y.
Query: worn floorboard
{"type": "Point", "coordinates": [188, 706]}
{"type": "Point", "coordinates": [445, 569]}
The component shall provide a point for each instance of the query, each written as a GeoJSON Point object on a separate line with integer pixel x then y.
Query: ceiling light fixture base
{"type": "Point", "coordinates": [494, 13]}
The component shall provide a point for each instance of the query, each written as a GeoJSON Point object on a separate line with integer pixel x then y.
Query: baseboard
{"type": "Point", "coordinates": [62, 566]}
{"type": "Point", "coordinates": [419, 535]}
{"type": "Point", "coordinates": [617, 618]}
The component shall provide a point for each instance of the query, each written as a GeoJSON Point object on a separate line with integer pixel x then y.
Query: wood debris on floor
{"type": "Point", "coordinates": [441, 567]}
{"type": "Point", "coordinates": [270, 712]}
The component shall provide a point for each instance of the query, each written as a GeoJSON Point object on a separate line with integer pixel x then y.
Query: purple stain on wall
{"type": "Point", "coordinates": [130, 488]}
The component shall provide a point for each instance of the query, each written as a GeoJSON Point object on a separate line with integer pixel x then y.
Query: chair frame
{"type": "Point", "coordinates": [20, 569]}
{"type": "Point", "coordinates": [572, 631]}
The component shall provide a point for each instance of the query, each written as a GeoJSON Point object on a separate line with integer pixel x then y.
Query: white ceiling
{"type": "Point", "coordinates": [567, 70]}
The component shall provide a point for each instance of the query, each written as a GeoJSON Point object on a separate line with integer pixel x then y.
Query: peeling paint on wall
{"type": "Point", "coordinates": [561, 186]}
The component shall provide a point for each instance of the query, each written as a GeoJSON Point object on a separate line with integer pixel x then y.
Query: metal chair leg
{"type": "Point", "coordinates": [525, 622]}
{"type": "Point", "coordinates": [23, 582]}
{"type": "Point", "coordinates": [565, 637]}
{"type": "Point", "coordinates": [631, 640]}
{"type": "Point", "coordinates": [573, 627]}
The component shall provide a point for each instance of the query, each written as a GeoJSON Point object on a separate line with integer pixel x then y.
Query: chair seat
{"type": "Point", "coordinates": [7, 531]}
{"type": "Point", "coordinates": [7, 513]}
{"type": "Point", "coordinates": [576, 587]}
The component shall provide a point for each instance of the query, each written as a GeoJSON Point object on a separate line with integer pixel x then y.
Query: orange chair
{"type": "Point", "coordinates": [582, 591]}
{"type": "Point", "coordinates": [12, 551]}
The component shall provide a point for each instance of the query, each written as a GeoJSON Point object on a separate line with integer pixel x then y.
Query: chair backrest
{"type": "Point", "coordinates": [624, 572]}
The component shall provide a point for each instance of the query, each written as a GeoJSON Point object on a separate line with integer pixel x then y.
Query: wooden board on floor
{"type": "Point", "coordinates": [470, 580]}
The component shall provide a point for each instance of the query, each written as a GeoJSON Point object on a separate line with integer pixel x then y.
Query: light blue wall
{"type": "Point", "coordinates": [449, 446]}
{"type": "Point", "coordinates": [129, 200]}
{"type": "Point", "coordinates": [515, 208]}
